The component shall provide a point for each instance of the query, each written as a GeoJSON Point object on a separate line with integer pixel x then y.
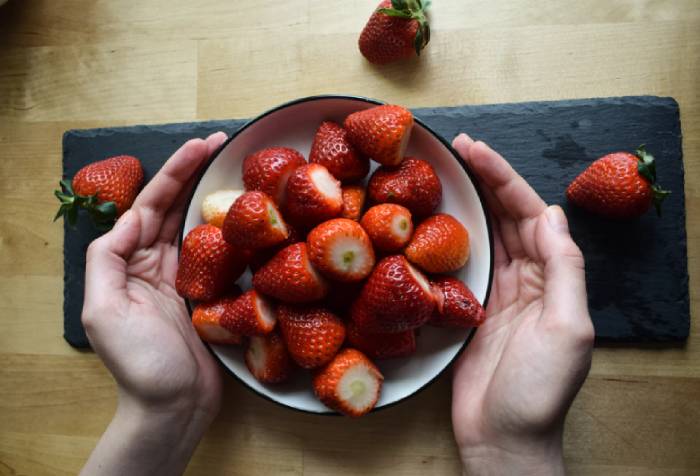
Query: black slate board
{"type": "Point", "coordinates": [636, 271]}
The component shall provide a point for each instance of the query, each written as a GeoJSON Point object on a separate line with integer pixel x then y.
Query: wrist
{"type": "Point", "coordinates": [529, 456]}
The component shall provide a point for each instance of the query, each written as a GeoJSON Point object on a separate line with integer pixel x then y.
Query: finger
{"type": "Point", "coordinates": [160, 193]}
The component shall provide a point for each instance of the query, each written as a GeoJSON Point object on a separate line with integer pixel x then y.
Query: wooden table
{"type": "Point", "coordinates": [81, 63]}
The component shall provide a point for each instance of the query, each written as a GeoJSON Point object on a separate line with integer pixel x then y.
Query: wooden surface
{"type": "Point", "coordinates": [81, 63]}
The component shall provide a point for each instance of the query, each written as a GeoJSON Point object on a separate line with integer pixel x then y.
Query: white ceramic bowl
{"type": "Point", "coordinates": [293, 125]}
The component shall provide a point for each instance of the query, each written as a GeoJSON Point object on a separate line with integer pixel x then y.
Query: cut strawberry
{"type": "Point", "coordinates": [249, 314]}
{"type": "Point", "coordinates": [381, 132]}
{"type": "Point", "coordinates": [267, 359]}
{"type": "Point", "coordinates": [439, 245]}
{"type": "Point", "coordinates": [313, 195]}
{"type": "Point", "coordinates": [382, 346]}
{"type": "Point", "coordinates": [290, 277]}
{"type": "Point", "coordinates": [389, 226]}
{"type": "Point", "coordinates": [341, 250]}
{"type": "Point", "coordinates": [457, 306]}
{"type": "Point", "coordinates": [206, 319]}
{"type": "Point", "coordinates": [215, 206]}
{"type": "Point", "coordinates": [349, 384]}
{"type": "Point", "coordinates": [313, 335]}
{"type": "Point", "coordinates": [267, 170]}
{"type": "Point", "coordinates": [254, 222]}
{"type": "Point", "coordinates": [332, 149]}
{"type": "Point", "coordinates": [353, 202]}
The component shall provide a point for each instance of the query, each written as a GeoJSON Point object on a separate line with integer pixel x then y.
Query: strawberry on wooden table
{"type": "Point", "coordinates": [248, 314]}
{"type": "Point", "coordinates": [254, 222]}
{"type": "Point", "coordinates": [396, 297]}
{"type": "Point", "coordinates": [267, 170]}
{"type": "Point", "coordinates": [440, 244]}
{"type": "Point", "coordinates": [381, 132]}
{"type": "Point", "coordinates": [413, 184]}
{"type": "Point", "coordinates": [215, 206]}
{"type": "Point", "coordinates": [105, 189]}
{"type": "Point", "coordinates": [332, 149]}
{"type": "Point", "coordinates": [349, 384]}
{"type": "Point", "coordinates": [206, 319]}
{"type": "Point", "coordinates": [313, 196]}
{"type": "Point", "coordinates": [341, 250]}
{"type": "Point", "coordinates": [313, 335]}
{"type": "Point", "coordinates": [353, 201]}
{"type": "Point", "coordinates": [290, 277]}
{"type": "Point", "coordinates": [267, 359]}
{"type": "Point", "coordinates": [381, 346]}
{"type": "Point", "coordinates": [389, 226]}
{"type": "Point", "coordinates": [619, 185]}
{"type": "Point", "coordinates": [208, 264]}
{"type": "Point", "coordinates": [456, 304]}
{"type": "Point", "coordinates": [396, 30]}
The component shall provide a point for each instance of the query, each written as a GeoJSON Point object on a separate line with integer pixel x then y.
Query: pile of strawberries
{"type": "Point", "coordinates": [334, 286]}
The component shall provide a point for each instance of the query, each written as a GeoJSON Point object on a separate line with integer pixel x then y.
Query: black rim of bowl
{"type": "Point", "coordinates": [437, 136]}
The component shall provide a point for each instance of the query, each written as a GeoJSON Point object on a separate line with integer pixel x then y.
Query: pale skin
{"type": "Point", "coordinates": [512, 386]}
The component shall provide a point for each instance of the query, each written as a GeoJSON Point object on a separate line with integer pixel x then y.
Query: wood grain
{"type": "Point", "coordinates": [78, 63]}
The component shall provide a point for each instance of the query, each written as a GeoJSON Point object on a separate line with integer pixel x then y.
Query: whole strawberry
{"type": "Point", "coordinates": [106, 189]}
{"type": "Point", "coordinates": [618, 185]}
{"type": "Point", "coordinates": [413, 184]}
{"type": "Point", "coordinates": [332, 149]}
{"type": "Point", "coordinates": [440, 244]}
{"type": "Point", "coordinates": [396, 30]}
{"type": "Point", "coordinates": [313, 334]}
{"type": "Point", "coordinates": [381, 132]}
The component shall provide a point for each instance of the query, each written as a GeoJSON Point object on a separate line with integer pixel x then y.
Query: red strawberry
{"type": "Point", "coordinates": [440, 244]}
{"type": "Point", "coordinates": [262, 256]}
{"type": "Point", "coordinates": [396, 30]}
{"type": "Point", "coordinates": [254, 222]}
{"type": "Point", "coordinates": [382, 346]}
{"type": "Point", "coordinates": [332, 149]}
{"type": "Point", "coordinates": [249, 314]}
{"type": "Point", "coordinates": [381, 132]}
{"type": "Point", "coordinates": [389, 226]}
{"type": "Point", "coordinates": [267, 358]}
{"type": "Point", "coordinates": [349, 384]}
{"type": "Point", "coordinates": [208, 265]}
{"type": "Point", "coordinates": [341, 250]}
{"type": "Point", "coordinates": [313, 195]}
{"type": "Point", "coordinates": [206, 319]}
{"type": "Point", "coordinates": [313, 334]}
{"type": "Point", "coordinates": [457, 306]}
{"type": "Point", "coordinates": [413, 184]}
{"type": "Point", "coordinates": [267, 170]}
{"type": "Point", "coordinates": [106, 189]}
{"type": "Point", "coordinates": [215, 206]}
{"type": "Point", "coordinates": [395, 298]}
{"type": "Point", "coordinates": [618, 185]}
{"type": "Point", "coordinates": [353, 202]}
{"type": "Point", "coordinates": [290, 277]}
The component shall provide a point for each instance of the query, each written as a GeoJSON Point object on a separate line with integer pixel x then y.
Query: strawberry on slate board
{"type": "Point", "coordinates": [208, 265]}
{"type": "Point", "coordinates": [332, 149]}
{"type": "Point", "coordinates": [456, 305]}
{"type": "Point", "coordinates": [440, 244]}
{"type": "Point", "coordinates": [349, 384]}
{"type": "Point", "coordinates": [396, 30]}
{"type": "Point", "coordinates": [341, 250]}
{"type": "Point", "coordinates": [413, 184]}
{"type": "Point", "coordinates": [267, 170]}
{"type": "Point", "coordinates": [313, 335]}
{"type": "Point", "coordinates": [618, 185]}
{"type": "Point", "coordinates": [382, 346]}
{"type": "Point", "coordinates": [106, 189]}
{"type": "Point", "coordinates": [254, 222]}
{"type": "Point", "coordinates": [381, 132]}
{"type": "Point", "coordinates": [389, 226]}
{"type": "Point", "coordinates": [267, 358]}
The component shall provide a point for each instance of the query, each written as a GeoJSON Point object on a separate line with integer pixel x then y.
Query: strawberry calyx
{"type": "Point", "coordinates": [412, 10]}
{"type": "Point", "coordinates": [103, 214]}
{"type": "Point", "coordinates": [646, 166]}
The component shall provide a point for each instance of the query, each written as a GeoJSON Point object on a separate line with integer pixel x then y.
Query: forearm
{"type": "Point", "coordinates": [139, 442]}
{"type": "Point", "coordinates": [538, 458]}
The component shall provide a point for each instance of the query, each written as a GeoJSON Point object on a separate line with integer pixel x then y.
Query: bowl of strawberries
{"type": "Point", "coordinates": [335, 255]}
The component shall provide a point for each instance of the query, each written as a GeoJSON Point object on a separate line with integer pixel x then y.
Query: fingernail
{"type": "Point", "coordinates": [557, 219]}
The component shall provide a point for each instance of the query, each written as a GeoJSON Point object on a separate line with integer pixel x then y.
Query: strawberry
{"type": "Point", "coordinates": [396, 30]}
{"type": "Point", "coordinates": [440, 244]}
{"type": "Point", "coordinates": [413, 184]}
{"type": "Point", "coordinates": [215, 206]}
{"type": "Point", "coordinates": [313, 195]}
{"type": "Point", "coordinates": [349, 384]}
{"type": "Point", "coordinates": [340, 249]}
{"type": "Point", "coordinates": [395, 298]}
{"type": "Point", "coordinates": [267, 359]}
{"type": "Point", "coordinates": [249, 314]}
{"type": "Point", "coordinates": [261, 256]}
{"type": "Point", "coordinates": [353, 201]}
{"type": "Point", "coordinates": [456, 305]}
{"type": "Point", "coordinates": [105, 189]}
{"type": "Point", "coordinates": [618, 185]}
{"type": "Point", "coordinates": [208, 265]}
{"type": "Point", "coordinates": [382, 346]}
{"type": "Point", "coordinates": [267, 170]}
{"type": "Point", "coordinates": [290, 277]}
{"type": "Point", "coordinates": [254, 222]}
{"type": "Point", "coordinates": [381, 132]}
{"type": "Point", "coordinates": [389, 226]}
{"type": "Point", "coordinates": [206, 319]}
{"type": "Point", "coordinates": [313, 334]}
{"type": "Point", "coordinates": [332, 149]}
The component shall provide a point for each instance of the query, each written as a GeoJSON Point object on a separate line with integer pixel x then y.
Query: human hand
{"type": "Point", "coordinates": [514, 383]}
{"type": "Point", "coordinates": [169, 385]}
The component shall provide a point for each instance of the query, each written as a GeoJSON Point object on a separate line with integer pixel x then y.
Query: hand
{"type": "Point", "coordinates": [517, 378]}
{"type": "Point", "coordinates": [169, 385]}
